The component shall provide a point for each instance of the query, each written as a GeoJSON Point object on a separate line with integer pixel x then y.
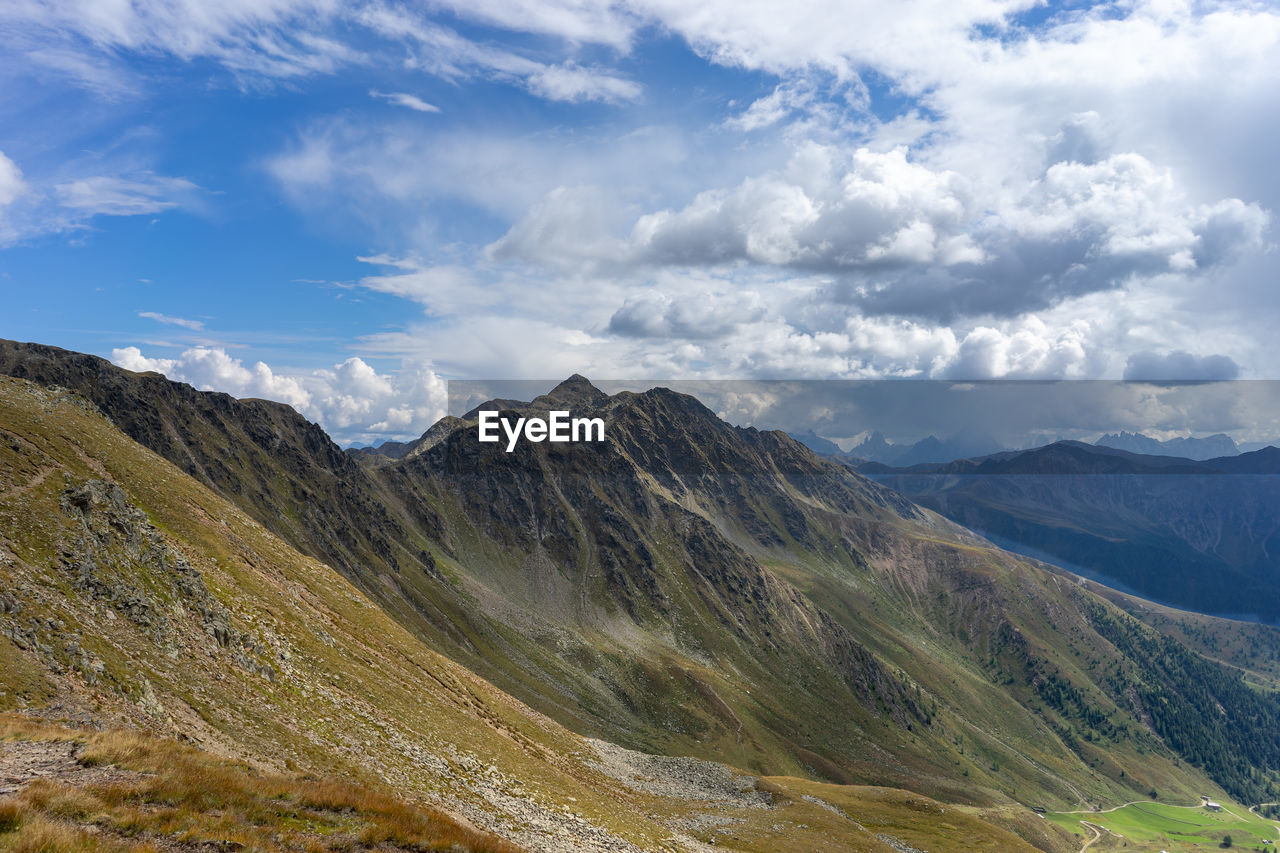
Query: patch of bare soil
{"type": "Point", "coordinates": [22, 762]}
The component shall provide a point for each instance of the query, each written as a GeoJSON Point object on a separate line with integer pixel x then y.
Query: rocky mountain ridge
{"type": "Point", "coordinates": [1207, 447]}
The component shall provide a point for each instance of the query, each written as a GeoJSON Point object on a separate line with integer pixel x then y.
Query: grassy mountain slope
{"type": "Point", "coordinates": [118, 789]}
{"type": "Point", "coordinates": [1249, 647]}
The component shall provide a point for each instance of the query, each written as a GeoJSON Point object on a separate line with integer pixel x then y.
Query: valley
{"type": "Point", "coordinates": [1174, 828]}
{"type": "Point", "coordinates": [1196, 534]}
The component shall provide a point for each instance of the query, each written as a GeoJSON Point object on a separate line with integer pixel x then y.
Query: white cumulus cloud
{"type": "Point", "coordinates": [828, 209]}
{"type": "Point", "coordinates": [351, 400]}
{"type": "Point", "coordinates": [900, 237]}
{"type": "Point", "coordinates": [212, 369]}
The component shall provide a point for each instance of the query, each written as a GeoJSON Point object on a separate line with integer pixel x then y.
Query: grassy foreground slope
{"type": "Point", "coordinates": [121, 790]}
{"type": "Point", "coordinates": [132, 595]}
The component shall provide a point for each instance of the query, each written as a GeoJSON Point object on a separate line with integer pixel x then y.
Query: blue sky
{"type": "Point", "coordinates": [340, 205]}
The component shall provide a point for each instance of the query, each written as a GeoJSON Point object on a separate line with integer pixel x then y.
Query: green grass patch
{"type": "Point", "coordinates": [1160, 826]}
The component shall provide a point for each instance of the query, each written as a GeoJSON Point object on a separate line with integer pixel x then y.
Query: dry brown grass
{"type": "Point", "coordinates": [42, 835]}
{"type": "Point", "coordinates": [11, 812]}
{"type": "Point", "coordinates": [17, 727]}
{"type": "Point", "coordinates": [184, 794]}
{"type": "Point", "coordinates": [55, 798]}
{"type": "Point", "coordinates": [121, 746]}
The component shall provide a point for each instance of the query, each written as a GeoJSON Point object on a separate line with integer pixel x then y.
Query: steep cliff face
{"type": "Point", "coordinates": [624, 601]}
{"type": "Point", "coordinates": [587, 542]}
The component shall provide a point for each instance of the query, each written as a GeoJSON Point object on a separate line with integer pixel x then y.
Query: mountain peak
{"type": "Point", "coordinates": [1210, 447]}
{"type": "Point", "coordinates": [577, 390]}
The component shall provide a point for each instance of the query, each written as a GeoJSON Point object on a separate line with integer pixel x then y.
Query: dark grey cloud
{"type": "Point", "coordinates": [705, 317]}
{"type": "Point", "coordinates": [1019, 275]}
{"type": "Point", "coordinates": [1086, 227]}
{"type": "Point", "coordinates": [1180, 366]}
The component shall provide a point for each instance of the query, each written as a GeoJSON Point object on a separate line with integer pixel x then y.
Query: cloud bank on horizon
{"type": "Point", "coordinates": [360, 198]}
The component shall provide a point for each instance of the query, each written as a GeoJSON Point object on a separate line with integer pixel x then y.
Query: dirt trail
{"type": "Point", "coordinates": [1254, 810]}
{"type": "Point", "coordinates": [24, 761]}
{"type": "Point", "coordinates": [1096, 835]}
{"type": "Point", "coordinates": [1197, 806]}
{"type": "Point", "coordinates": [40, 477]}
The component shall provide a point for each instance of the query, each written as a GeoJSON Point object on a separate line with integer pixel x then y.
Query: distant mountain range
{"type": "Point", "coordinates": [1199, 534]}
{"type": "Point", "coordinates": [1210, 447]}
{"type": "Point", "coordinates": [876, 448]}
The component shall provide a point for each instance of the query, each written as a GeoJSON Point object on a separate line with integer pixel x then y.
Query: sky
{"type": "Point", "coordinates": [344, 205]}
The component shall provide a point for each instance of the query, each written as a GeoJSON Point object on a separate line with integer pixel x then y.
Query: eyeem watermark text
{"type": "Point", "coordinates": [557, 427]}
